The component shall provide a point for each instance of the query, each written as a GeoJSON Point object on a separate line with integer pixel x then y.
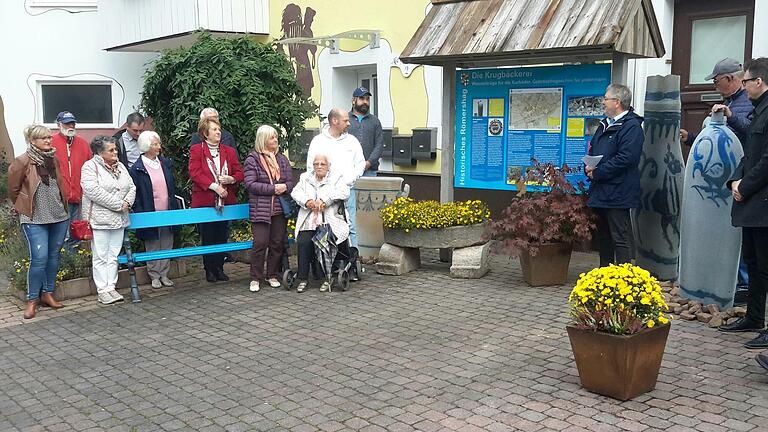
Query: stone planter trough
{"type": "Point", "coordinates": [400, 252]}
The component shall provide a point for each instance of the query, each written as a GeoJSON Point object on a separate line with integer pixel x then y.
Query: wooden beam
{"type": "Point", "coordinates": [448, 123]}
{"type": "Point", "coordinates": [619, 66]}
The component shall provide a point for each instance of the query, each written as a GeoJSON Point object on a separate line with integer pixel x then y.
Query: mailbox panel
{"type": "Point", "coordinates": [401, 147]}
{"type": "Point", "coordinates": [424, 143]}
{"type": "Point", "coordinates": [387, 148]}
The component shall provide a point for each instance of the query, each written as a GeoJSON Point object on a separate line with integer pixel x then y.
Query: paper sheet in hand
{"type": "Point", "coordinates": [591, 161]}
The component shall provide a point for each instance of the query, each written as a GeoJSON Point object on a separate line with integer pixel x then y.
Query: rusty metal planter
{"type": "Point", "coordinates": [549, 266]}
{"type": "Point", "coordinates": [620, 366]}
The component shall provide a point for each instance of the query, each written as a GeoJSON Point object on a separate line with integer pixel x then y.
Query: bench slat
{"type": "Point", "coordinates": [186, 252]}
{"type": "Point", "coordinates": [187, 216]}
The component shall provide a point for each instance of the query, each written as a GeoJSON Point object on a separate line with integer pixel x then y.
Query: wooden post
{"type": "Point", "coordinates": [448, 126]}
{"type": "Point", "coordinates": [619, 66]}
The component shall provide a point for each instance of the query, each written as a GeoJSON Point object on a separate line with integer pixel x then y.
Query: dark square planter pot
{"type": "Point", "coordinates": [549, 266]}
{"type": "Point", "coordinates": [619, 366]}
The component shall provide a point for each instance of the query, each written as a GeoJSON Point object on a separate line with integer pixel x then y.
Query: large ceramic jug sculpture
{"type": "Point", "coordinates": [6, 148]}
{"type": "Point", "coordinates": [657, 221]}
{"type": "Point", "coordinates": [709, 244]}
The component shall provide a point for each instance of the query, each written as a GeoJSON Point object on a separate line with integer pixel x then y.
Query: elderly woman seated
{"type": "Point", "coordinates": [319, 193]}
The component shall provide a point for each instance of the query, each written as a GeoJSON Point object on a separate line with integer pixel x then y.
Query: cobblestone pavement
{"type": "Point", "coordinates": [418, 352]}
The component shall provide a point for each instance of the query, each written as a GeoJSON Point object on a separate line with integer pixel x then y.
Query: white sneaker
{"type": "Point", "coordinates": [105, 298]}
{"type": "Point", "coordinates": [325, 286]}
{"type": "Point", "coordinates": [254, 286]}
{"type": "Point", "coordinates": [116, 295]}
{"type": "Point", "coordinates": [167, 282]}
{"type": "Point", "coordinates": [156, 283]}
{"type": "Point", "coordinates": [302, 287]}
{"type": "Point", "coordinates": [274, 283]}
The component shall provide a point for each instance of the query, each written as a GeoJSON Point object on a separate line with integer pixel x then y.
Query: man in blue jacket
{"type": "Point", "coordinates": [615, 180]}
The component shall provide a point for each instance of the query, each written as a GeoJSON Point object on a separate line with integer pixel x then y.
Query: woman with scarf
{"type": "Point", "coordinates": [215, 172]}
{"type": "Point", "coordinates": [319, 193]}
{"type": "Point", "coordinates": [268, 176]}
{"type": "Point", "coordinates": [108, 194]}
{"type": "Point", "coordinates": [35, 189]}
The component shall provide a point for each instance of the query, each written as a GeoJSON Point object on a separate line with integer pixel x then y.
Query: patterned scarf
{"type": "Point", "coordinates": [272, 165]}
{"type": "Point", "coordinates": [113, 169]}
{"type": "Point", "coordinates": [43, 161]}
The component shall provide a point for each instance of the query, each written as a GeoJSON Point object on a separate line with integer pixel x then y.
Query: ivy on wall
{"type": "Point", "coordinates": [249, 83]}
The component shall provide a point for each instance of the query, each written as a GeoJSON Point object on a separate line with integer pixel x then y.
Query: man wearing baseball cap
{"type": "Point", "coordinates": [726, 75]}
{"type": "Point", "coordinates": [367, 129]}
{"type": "Point", "coordinates": [72, 152]}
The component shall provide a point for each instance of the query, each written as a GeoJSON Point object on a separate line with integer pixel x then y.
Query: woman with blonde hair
{"type": "Point", "coordinates": [34, 186]}
{"type": "Point", "coordinates": [268, 175]}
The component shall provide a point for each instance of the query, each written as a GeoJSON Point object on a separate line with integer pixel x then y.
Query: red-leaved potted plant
{"type": "Point", "coordinates": [541, 227]}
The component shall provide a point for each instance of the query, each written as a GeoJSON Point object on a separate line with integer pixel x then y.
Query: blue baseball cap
{"type": "Point", "coordinates": [361, 91]}
{"type": "Point", "coordinates": [66, 117]}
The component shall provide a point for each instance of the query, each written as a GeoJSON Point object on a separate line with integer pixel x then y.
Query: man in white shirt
{"type": "Point", "coordinates": [346, 159]}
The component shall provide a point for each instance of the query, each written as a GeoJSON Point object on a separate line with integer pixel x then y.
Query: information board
{"type": "Point", "coordinates": [505, 117]}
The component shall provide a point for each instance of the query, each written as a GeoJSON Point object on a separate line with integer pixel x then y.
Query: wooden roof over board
{"type": "Point", "coordinates": [504, 31]}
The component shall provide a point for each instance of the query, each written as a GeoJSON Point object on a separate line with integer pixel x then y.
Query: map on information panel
{"type": "Point", "coordinates": [539, 109]}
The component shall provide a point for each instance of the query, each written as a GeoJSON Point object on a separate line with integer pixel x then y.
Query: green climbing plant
{"type": "Point", "coordinates": [248, 82]}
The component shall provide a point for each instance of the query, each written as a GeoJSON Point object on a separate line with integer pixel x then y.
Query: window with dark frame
{"type": "Point", "coordinates": [90, 103]}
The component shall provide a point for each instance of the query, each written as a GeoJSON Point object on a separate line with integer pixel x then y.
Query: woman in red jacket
{"type": "Point", "coordinates": [215, 173]}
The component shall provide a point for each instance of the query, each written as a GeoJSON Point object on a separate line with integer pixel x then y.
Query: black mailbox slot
{"type": "Point", "coordinates": [401, 149]}
{"type": "Point", "coordinates": [424, 143]}
{"type": "Point", "coordinates": [387, 147]}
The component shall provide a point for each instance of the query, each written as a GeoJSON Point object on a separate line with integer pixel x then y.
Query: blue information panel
{"type": "Point", "coordinates": [505, 117]}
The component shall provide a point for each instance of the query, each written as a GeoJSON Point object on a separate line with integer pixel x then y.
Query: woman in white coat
{"type": "Point", "coordinates": [319, 195]}
{"type": "Point", "coordinates": [108, 194]}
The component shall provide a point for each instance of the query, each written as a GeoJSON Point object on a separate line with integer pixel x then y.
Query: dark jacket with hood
{"type": "Point", "coordinates": [145, 199]}
{"type": "Point", "coordinates": [616, 179]}
{"type": "Point", "coordinates": [262, 201]}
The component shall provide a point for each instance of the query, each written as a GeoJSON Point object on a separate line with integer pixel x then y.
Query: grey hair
{"type": "Point", "coordinates": [204, 113]}
{"type": "Point", "coordinates": [622, 93]}
{"type": "Point", "coordinates": [134, 117]}
{"type": "Point", "coordinates": [35, 131]}
{"type": "Point", "coordinates": [322, 155]}
{"type": "Point", "coordinates": [99, 144]}
{"type": "Point", "coordinates": [145, 140]}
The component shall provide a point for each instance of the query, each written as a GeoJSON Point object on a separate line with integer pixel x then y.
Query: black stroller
{"type": "Point", "coordinates": [331, 262]}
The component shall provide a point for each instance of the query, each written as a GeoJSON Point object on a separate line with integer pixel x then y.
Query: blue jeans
{"type": "Point", "coordinates": [351, 206]}
{"type": "Point", "coordinates": [74, 214]}
{"type": "Point", "coordinates": [743, 281]}
{"type": "Point", "coordinates": [369, 173]}
{"type": "Point", "coordinates": [45, 241]}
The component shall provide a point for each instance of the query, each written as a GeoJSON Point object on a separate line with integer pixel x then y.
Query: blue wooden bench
{"type": "Point", "coordinates": [179, 217]}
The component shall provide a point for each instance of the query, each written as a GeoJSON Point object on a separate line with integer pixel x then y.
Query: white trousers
{"type": "Point", "coordinates": [105, 247]}
{"type": "Point", "coordinates": [159, 268]}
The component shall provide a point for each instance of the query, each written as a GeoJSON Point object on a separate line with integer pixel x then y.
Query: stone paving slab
{"type": "Point", "coordinates": [396, 353]}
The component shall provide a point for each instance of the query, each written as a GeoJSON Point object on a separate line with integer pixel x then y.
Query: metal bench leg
{"type": "Point", "coordinates": [135, 297]}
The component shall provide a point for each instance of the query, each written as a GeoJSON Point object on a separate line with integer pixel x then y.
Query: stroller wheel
{"type": "Point", "coordinates": [342, 280]}
{"type": "Point", "coordinates": [289, 276]}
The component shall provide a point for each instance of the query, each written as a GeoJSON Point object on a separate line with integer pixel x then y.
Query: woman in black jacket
{"type": "Point", "coordinates": [155, 191]}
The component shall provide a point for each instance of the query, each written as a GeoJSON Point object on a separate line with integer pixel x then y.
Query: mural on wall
{"type": "Point", "coordinates": [294, 25]}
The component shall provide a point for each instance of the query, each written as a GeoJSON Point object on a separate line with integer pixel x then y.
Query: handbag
{"type": "Point", "coordinates": [289, 206]}
{"type": "Point", "coordinates": [81, 229]}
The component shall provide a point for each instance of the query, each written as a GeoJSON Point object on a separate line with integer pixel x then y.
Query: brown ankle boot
{"type": "Point", "coordinates": [49, 300]}
{"type": "Point", "coordinates": [31, 309]}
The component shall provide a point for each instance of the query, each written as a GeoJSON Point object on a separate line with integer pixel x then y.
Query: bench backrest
{"type": "Point", "coordinates": [187, 216]}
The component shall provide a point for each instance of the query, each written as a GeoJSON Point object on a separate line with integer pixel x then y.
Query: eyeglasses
{"type": "Point", "coordinates": [319, 164]}
{"type": "Point", "coordinates": [47, 137]}
{"type": "Point", "coordinates": [610, 98]}
{"type": "Point", "coordinates": [717, 80]}
{"type": "Point", "coordinates": [745, 81]}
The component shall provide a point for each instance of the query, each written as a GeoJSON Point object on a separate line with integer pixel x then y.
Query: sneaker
{"type": "Point", "coordinates": [254, 287]}
{"type": "Point", "coordinates": [325, 286]}
{"type": "Point", "coordinates": [274, 283]}
{"type": "Point", "coordinates": [116, 295]}
{"type": "Point", "coordinates": [302, 287]}
{"type": "Point", "coordinates": [167, 282]}
{"type": "Point", "coordinates": [156, 283]}
{"type": "Point", "coordinates": [105, 298]}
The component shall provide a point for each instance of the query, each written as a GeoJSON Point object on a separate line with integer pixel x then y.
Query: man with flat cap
{"type": "Point", "coordinates": [736, 106]}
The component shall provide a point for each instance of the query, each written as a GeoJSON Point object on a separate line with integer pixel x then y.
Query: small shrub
{"type": "Point", "coordinates": [408, 214]}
